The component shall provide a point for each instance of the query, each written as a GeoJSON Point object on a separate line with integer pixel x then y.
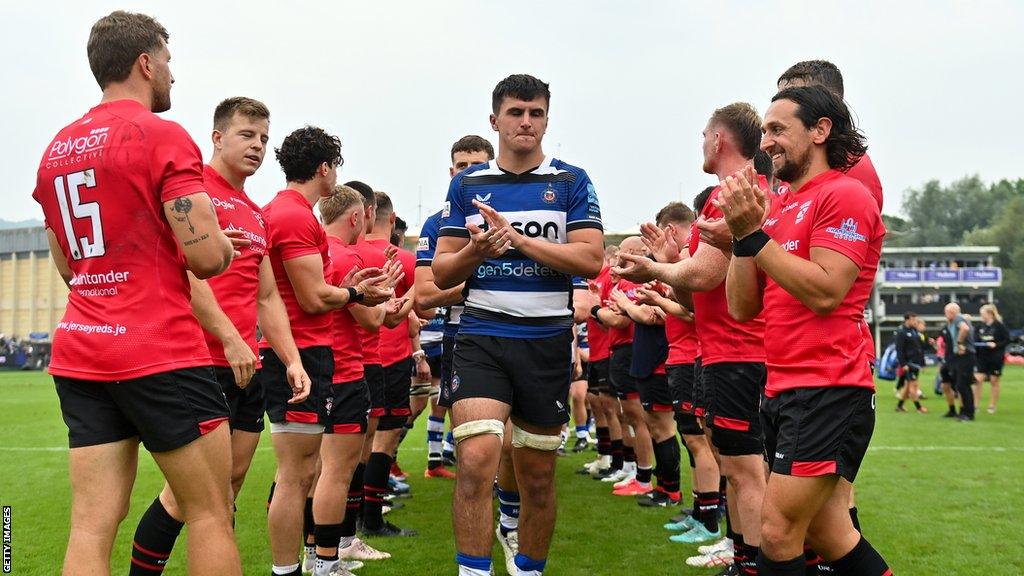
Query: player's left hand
{"type": "Point", "coordinates": [391, 252]}
{"type": "Point", "coordinates": [495, 220]}
{"type": "Point", "coordinates": [620, 298]}
{"type": "Point", "coordinates": [715, 231]}
{"type": "Point", "coordinates": [299, 382]}
{"type": "Point", "coordinates": [743, 202]}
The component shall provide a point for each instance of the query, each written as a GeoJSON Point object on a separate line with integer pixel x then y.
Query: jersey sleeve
{"type": "Point", "coordinates": [846, 221]}
{"type": "Point", "coordinates": [176, 162]}
{"type": "Point", "coordinates": [453, 213]}
{"type": "Point", "coordinates": [296, 234]}
{"type": "Point", "coordinates": [427, 242]}
{"type": "Point", "coordinates": [579, 283]}
{"type": "Point", "coordinates": [584, 208]}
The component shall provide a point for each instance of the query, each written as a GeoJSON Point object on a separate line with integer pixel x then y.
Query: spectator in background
{"type": "Point", "coordinates": [960, 358]}
{"type": "Point", "coordinates": [910, 357]}
{"type": "Point", "coordinates": [992, 338]}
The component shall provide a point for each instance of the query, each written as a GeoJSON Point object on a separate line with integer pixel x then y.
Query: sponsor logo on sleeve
{"type": "Point", "coordinates": [847, 231]}
{"type": "Point", "coordinates": [446, 209]}
{"type": "Point", "coordinates": [423, 244]}
{"type": "Point", "coordinates": [593, 206]}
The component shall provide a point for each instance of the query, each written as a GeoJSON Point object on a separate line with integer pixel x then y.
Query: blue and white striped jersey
{"type": "Point", "coordinates": [513, 296]}
{"type": "Point", "coordinates": [425, 248]}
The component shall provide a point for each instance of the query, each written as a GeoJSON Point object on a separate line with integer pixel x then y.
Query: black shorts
{"type": "Point", "coordinates": [346, 408]}
{"type": "Point", "coordinates": [444, 399]}
{"type": "Point", "coordinates": [733, 393]}
{"type": "Point", "coordinates": [245, 406]}
{"type": "Point", "coordinates": [597, 377]}
{"type": "Point", "coordinates": [655, 393]}
{"type": "Point", "coordinates": [318, 361]}
{"type": "Point", "coordinates": [946, 373]}
{"type": "Point", "coordinates": [700, 396]}
{"type": "Point", "coordinates": [818, 431]}
{"type": "Point", "coordinates": [681, 381]}
{"type": "Point", "coordinates": [396, 394]}
{"type": "Point", "coordinates": [435, 366]}
{"type": "Point", "coordinates": [990, 365]}
{"type": "Point", "coordinates": [584, 371]}
{"type": "Point", "coordinates": [623, 384]}
{"type": "Point", "coordinates": [166, 410]}
{"type": "Point", "coordinates": [532, 375]}
{"type": "Point", "coordinates": [375, 384]}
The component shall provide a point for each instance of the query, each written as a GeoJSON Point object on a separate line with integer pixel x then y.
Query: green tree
{"type": "Point", "coordinates": [1007, 233]}
{"type": "Point", "coordinates": [942, 215]}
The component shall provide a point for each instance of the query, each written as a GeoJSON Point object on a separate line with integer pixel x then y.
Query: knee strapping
{"type": "Point", "coordinates": [478, 427]}
{"type": "Point", "coordinates": [523, 439]}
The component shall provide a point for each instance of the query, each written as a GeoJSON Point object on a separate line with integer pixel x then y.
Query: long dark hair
{"type": "Point", "coordinates": [845, 145]}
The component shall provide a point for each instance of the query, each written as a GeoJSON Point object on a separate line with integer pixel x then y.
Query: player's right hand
{"type": "Point", "coordinates": [238, 241]}
{"type": "Point", "coordinates": [299, 382]}
{"type": "Point", "coordinates": [635, 268]}
{"type": "Point", "coordinates": [376, 290]}
{"type": "Point", "coordinates": [492, 243]}
{"type": "Point", "coordinates": [241, 359]}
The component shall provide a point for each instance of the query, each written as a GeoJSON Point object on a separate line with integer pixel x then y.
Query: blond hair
{"type": "Point", "coordinates": [342, 200]}
{"type": "Point", "coordinates": [991, 309]}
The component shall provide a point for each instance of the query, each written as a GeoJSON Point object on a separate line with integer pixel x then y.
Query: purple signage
{"type": "Point", "coordinates": [898, 276]}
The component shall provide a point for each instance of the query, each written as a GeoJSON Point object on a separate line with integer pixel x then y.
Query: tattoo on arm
{"type": "Point", "coordinates": [196, 240]}
{"type": "Point", "coordinates": [183, 206]}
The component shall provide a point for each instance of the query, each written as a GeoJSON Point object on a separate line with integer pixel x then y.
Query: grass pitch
{"type": "Point", "coordinates": [935, 497]}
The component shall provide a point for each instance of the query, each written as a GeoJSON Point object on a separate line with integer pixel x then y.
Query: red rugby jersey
{"type": "Point", "coordinates": [620, 336]}
{"type": "Point", "coordinates": [295, 232]}
{"type": "Point", "coordinates": [836, 212]}
{"type": "Point", "coordinates": [597, 334]}
{"type": "Point", "coordinates": [237, 287]}
{"type": "Point", "coordinates": [722, 338]}
{"type": "Point", "coordinates": [372, 257]}
{"type": "Point", "coordinates": [683, 347]}
{"type": "Point", "coordinates": [102, 182]}
{"type": "Point", "coordinates": [348, 345]}
{"type": "Point", "coordinates": [395, 343]}
{"type": "Point", "coordinates": [864, 172]}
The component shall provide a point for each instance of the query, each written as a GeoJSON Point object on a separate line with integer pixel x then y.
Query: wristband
{"type": "Point", "coordinates": [418, 354]}
{"type": "Point", "coordinates": [593, 314]}
{"type": "Point", "coordinates": [354, 295]}
{"type": "Point", "coordinates": [751, 244]}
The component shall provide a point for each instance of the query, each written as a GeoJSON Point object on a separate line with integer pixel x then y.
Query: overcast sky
{"type": "Point", "coordinates": [936, 85]}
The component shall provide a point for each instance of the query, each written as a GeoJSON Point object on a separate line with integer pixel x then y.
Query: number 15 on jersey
{"type": "Point", "coordinates": [71, 206]}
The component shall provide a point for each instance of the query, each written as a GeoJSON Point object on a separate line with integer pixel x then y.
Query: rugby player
{"type": "Point", "coordinates": [637, 448]}
{"type": "Point", "coordinates": [396, 365]}
{"type": "Point", "coordinates": [341, 448]}
{"type": "Point", "coordinates": [817, 246]}
{"type": "Point", "coordinates": [603, 401]}
{"type": "Point", "coordinates": [127, 215]}
{"type": "Point", "coordinates": [522, 212]}
{"type": "Point", "coordinates": [228, 307]}
{"type": "Point", "coordinates": [300, 256]}
{"type": "Point", "coordinates": [467, 151]}
{"type": "Point", "coordinates": [732, 360]}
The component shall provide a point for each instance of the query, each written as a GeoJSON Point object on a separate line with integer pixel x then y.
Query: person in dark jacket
{"type": "Point", "coordinates": [992, 338]}
{"type": "Point", "coordinates": [910, 358]}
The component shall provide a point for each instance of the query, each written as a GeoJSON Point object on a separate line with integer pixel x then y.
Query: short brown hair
{"type": "Point", "coordinates": [248, 107]}
{"type": "Point", "coordinates": [117, 40]}
{"type": "Point", "coordinates": [342, 200]}
{"type": "Point", "coordinates": [384, 206]}
{"type": "Point", "coordinates": [744, 123]}
{"type": "Point", "coordinates": [674, 213]}
{"type": "Point", "coordinates": [473, 143]}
